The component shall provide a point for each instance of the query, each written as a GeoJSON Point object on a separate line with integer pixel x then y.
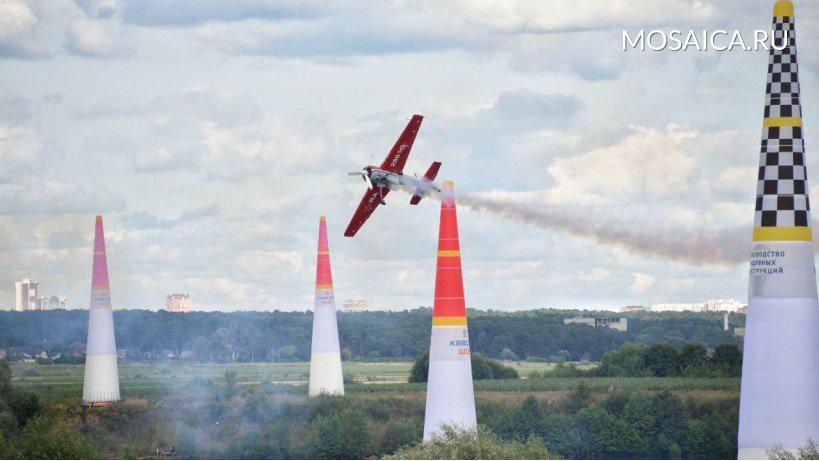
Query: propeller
{"type": "Point", "coordinates": [364, 175]}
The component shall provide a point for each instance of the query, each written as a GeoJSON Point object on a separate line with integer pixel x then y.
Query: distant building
{"type": "Point", "coordinates": [711, 305]}
{"type": "Point", "coordinates": [739, 331]}
{"type": "Point", "coordinates": [620, 324]}
{"type": "Point", "coordinates": [27, 295]}
{"type": "Point", "coordinates": [742, 310]}
{"type": "Point", "coordinates": [178, 303]}
{"type": "Point", "coordinates": [634, 309]}
{"type": "Point", "coordinates": [52, 302]}
{"type": "Point", "coordinates": [354, 305]}
{"type": "Point", "coordinates": [725, 325]}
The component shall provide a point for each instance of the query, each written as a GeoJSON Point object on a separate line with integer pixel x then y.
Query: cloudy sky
{"type": "Point", "coordinates": [211, 135]}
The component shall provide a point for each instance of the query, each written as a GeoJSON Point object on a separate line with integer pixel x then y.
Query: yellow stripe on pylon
{"type": "Point", "coordinates": [324, 287]}
{"type": "Point", "coordinates": [785, 233]}
{"type": "Point", "coordinates": [323, 253]}
{"type": "Point", "coordinates": [781, 121]}
{"type": "Point", "coordinates": [783, 8]}
{"type": "Point", "coordinates": [442, 321]}
{"type": "Point", "coordinates": [449, 253]}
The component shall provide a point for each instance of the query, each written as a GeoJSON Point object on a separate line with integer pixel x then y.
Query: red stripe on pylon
{"type": "Point", "coordinates": [324, 276]}
{"type": "Point", "coordinates": [99, 266]}
{"type": "Point", "coordinates": [449, 284]}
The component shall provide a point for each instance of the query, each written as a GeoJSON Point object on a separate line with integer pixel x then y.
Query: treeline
{"type": "Point", "coordinates": [622, 425]}
{"type": "Point", "coordinates": [220, 420]}
{"type": "Point", "coordinates": [662, 360]}
{"type": "Point", "coordinates": [285, 336]}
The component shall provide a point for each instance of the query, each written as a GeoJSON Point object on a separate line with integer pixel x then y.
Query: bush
{"type": "Point", "coordinates": [398, 434]}
{"type": "Point", "coordinates": [663, 360]}
{"type": "Point", "coordinates": [562, 370]}
{"type": "Point", "coordinates": [23, 404]}
{"type": "Point", "coordinates": [8, 424]}
{"type": "Point", "coordinates": [459, 444]}
{"type": "Point", "coordinates": [43, 438]}
{"type": "Point", "coordinates": [343, 435]}
{"type": "Point", "coordinates": [5, 378]}
{"type": "Point", "coordinates": [809, 451]}
{"type": "Point", "coordinates": [482, 368]}
{"type": "Point", "coordinates": [420, 369]}
{"type": "Point", "coordinates": [507, 354]}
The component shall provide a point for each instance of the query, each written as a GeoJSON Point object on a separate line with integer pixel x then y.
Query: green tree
{"type": "Point", "coordinates": [482, 368]}
{"type": "Point", "coordinates": [670, 422]}
{"type": "Point", "coordinates": [629, 360]}
{"type": "Point", "coordinates": [288, 352]}
{"type": "Point", "coordinates": [43, 438]}
{"type": "Point", "coordinates": [693, 355]}
{"type": "Point", "coordinates": [605, 436]}
{"type": "Point", "coordinates": [24, 404]}
{"type": "Point", "coordinates": [344, 435]}
{"type": "Point", "coordinates": [399, 434]}
{"type": "Point", "coordinates": [455, 444]}
{"type": "Point", "coordinates": [507, 354]}
{"type": "Point", "coordinates": [563, 355]}
{"type": "Point", "coordinates": [5, 379]}
{"type": "Point", "coordinates": [420, 369]}
{"type": "Point", "coordinates": [580, 396]}
{"type": "Point", "coordinates": [663, 360]}
{"type": "Point", "coordinates": [8, 424]}
{"type": "Point", "coordinates": [346, 354]}
{"type": "Point", "coordinates": [809, 451]}
{"type": "Point", "coordinates": [231, 383]}
{"type": "Point", "coordinates": [727, 357]}
{"type": "Point", "coordinates": [528, 419]}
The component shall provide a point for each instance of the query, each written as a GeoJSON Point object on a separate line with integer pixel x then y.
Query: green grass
{"type": "Point", "coordinates": [146, 380]}
{"type": "Point", "coordinates": [171, 374]}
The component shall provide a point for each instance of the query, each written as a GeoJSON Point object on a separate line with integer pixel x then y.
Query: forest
{"type": "Point", "coordinates": [536, 335]}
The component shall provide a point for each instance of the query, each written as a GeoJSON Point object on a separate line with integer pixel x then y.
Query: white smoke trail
{"type": "Point", "coordinates": [653, 237]}
{"type": "Point", "coordinates": [721, 247]}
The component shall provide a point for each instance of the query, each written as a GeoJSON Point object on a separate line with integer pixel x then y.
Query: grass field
{"type": "Point", "coordinates": [144, 379]}
{"type": "Point", "coordinates": [30, 374]}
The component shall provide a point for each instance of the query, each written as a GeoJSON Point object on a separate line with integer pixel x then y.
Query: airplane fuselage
{"type": "Point", "coordinates": [391, 181]}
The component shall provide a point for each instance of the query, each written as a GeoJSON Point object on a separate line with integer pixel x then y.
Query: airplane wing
{"type": "Point", "coordinates": [395, 161]}
{"type": "Point", "coordinates": [372, 198]}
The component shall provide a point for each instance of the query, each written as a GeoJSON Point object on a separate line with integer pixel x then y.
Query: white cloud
{"type": "Point", "coordinates": [28, 186]}
{"type": "Point", "coordinates": [17, 26]}
{"type": "Point", "coordinates": [649, 164]}
{"type": "Point", "coordinates": [534, 16]}
{"type": "Point", "coordinates": [47, 195]}
{"type": "Point", "coordinates": [268, 146]}
{"type": "Point", "coordinates": [162, 159]}
{"type": "Point", "coordinates": [91, 38]}
{"type": "Point", "coordinates": [19, 148]}
{"type": "Point", "coordinates": [642, 282]}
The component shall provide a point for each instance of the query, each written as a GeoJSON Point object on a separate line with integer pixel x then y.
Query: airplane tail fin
{"type": "Point", "coordinates": [432, 172]}
{"type": "Point", "coordinates": [430, 175]}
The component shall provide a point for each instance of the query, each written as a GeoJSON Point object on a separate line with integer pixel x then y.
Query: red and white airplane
{"type": "Point", "coordinates": [390, 175]}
